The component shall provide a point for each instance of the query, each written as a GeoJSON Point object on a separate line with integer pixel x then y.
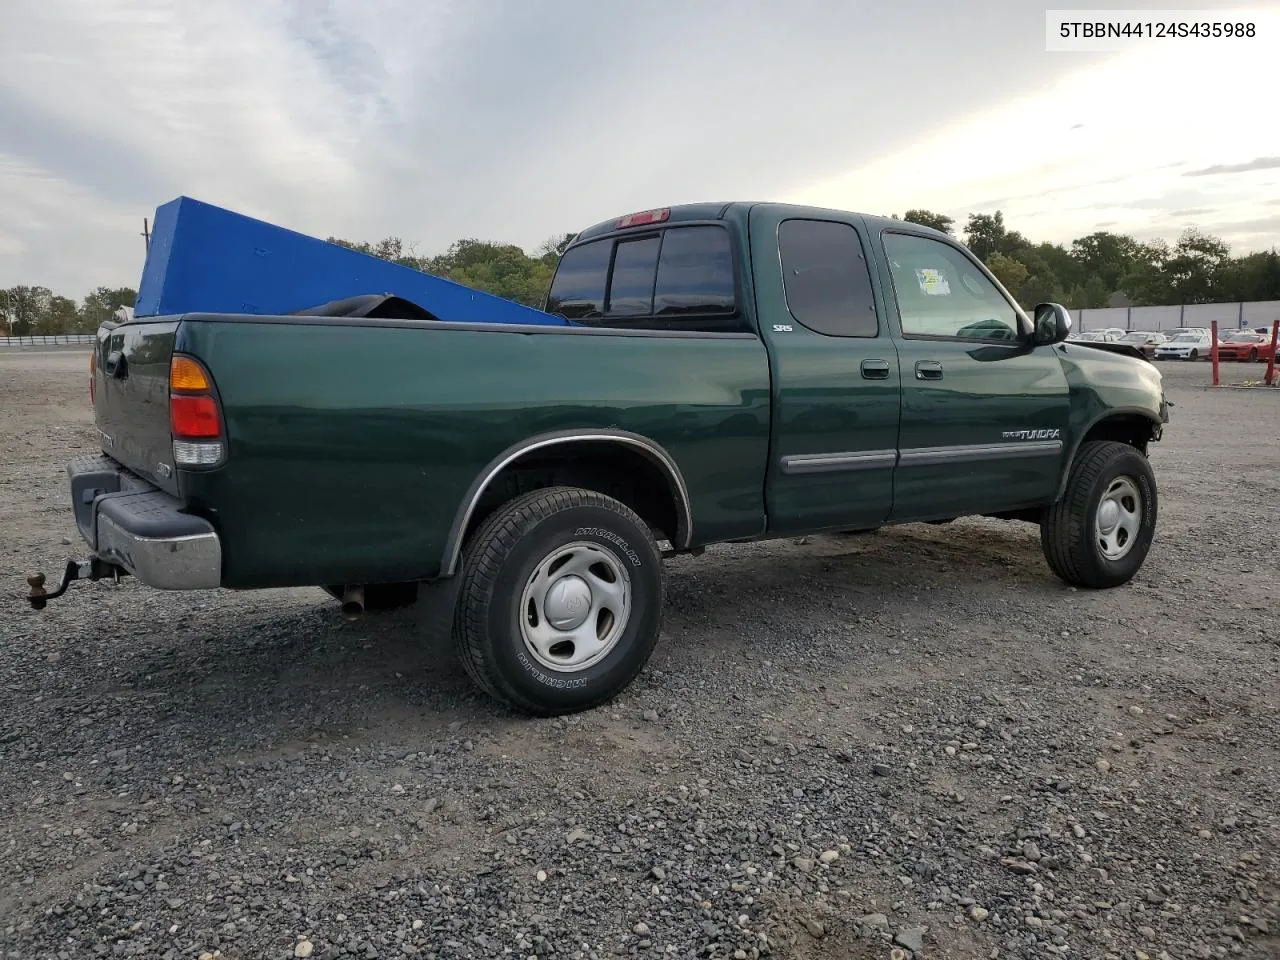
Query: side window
{"type": "Point", "coordinates": [695, 272]}
{"type": "Point", "coordinates": [941, 293]}
{"type": "Point", "coordinates": [826, 278]}
{"type": "Point", "coordinates": [577, 292]}
{"type": "Point", "coordinates": [631, 285]}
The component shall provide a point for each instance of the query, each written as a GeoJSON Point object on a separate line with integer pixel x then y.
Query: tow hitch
{"type": "Point", "coordinates": [94, 569]}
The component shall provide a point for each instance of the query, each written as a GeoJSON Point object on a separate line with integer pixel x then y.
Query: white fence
{"type": "Point", "coordinates": [48, 340]}
{"type": "Point", "coordinates": [1230, 316]}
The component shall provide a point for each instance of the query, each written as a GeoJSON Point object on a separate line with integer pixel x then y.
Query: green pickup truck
{"type": "Point", "coordinates": [731, 372]}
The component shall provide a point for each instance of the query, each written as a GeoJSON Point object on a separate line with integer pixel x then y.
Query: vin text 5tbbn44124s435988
{"type": "Point", "coordinates": [728, 372]}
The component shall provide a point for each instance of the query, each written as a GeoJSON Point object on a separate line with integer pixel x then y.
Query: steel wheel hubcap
{"type": "Point", "coordinates": [1118, 519]}
{"type": "Point", "coordinates": [574, 607]}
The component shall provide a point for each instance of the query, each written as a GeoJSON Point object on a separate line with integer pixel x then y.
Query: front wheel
{"type": "Point", "coordinates": [1195, 355]}
{"type": "Point", "coordinates": [1253, 356]}
{"type": "Point", "coordinates": [1099, 533]}
{"type": "Point", "coordinates": [561, 601]}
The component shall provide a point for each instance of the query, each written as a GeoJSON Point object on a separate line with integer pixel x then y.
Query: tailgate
{"type": "Point", "coordinates": [131, 402]}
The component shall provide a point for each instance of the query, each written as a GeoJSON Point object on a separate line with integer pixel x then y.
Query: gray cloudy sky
{"type": "Point", "coordinates": [437, 119]}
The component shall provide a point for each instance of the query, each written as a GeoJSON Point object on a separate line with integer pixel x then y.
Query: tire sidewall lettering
{"type": "Point", "coordinates": [613, 533]}
{"type": "Point", "coordinates": [608, 535]}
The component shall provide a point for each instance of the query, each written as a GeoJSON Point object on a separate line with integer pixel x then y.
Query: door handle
{"type": "Point", "coordinates": [928, 370]}
{"type": "Point", "coordinates": [115, 364]}
{"type": "Point", "coordinates": [875, 369]}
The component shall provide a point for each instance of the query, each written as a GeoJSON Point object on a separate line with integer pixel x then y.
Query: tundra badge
{"type": "Point", "coordinates": [1046, 434]}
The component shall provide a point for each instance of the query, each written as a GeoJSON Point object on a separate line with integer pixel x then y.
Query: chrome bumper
{"type": "Point", "coordinates": [132, 524]}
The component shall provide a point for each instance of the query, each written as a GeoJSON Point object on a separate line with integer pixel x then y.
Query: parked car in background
{"type": "Point", "coordinates": [1145, 340]}
{"type": "Point", "coordinates": [1193, 345]}
{"type": "Point", "coordinates": [1115, 332]}
{"type": "Point", "coordinates": [1094, 336]}
{"type": "Point", "coordinates": [1243, 345]}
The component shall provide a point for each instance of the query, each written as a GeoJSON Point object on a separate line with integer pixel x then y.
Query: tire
{"type": "Point", "coordinates": [380, 597]}
{"type": "Point", "coordinates": [1073, 530]}
{"type": "Point", "coordinates": [1253, 356]}
{"type": "Point", "coordinates": [1194, 355]}
{"type": "Point", "coordinates": [506, 639]}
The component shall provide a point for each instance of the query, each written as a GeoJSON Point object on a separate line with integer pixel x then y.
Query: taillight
{"type": "Point", "coordinates": [194, 418]}
{"type": "Point", "coordinates": [93, 387]}
{"type": "Point", "coordinates": [643, 219]}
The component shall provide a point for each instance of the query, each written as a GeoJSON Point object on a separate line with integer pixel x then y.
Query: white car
{"type": "Point", "coordinates": [1192, 345]}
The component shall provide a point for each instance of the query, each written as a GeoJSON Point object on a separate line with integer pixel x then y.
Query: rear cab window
{"type": "Point", "coordinates": [678, 278]}
{"type": "Point", "coordinates": [826, 278]}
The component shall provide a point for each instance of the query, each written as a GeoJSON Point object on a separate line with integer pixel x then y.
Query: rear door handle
{"type": "Point", "coordinates": [115, 365]}
{"type": "Point", "coordinates": [875, 369]}
{"type": "Point", "coordinates": [928, 370]}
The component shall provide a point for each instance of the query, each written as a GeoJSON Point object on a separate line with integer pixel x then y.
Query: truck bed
{"type": "Point", "coordinates": [390, 414]}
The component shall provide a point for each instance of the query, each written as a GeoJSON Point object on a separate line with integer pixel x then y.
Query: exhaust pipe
{"type": "Point", "coordinates": [353, 600]}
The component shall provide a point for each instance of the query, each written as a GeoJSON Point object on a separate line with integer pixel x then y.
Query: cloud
{"type": "Point", "coordinates": [1258, 163]}
{"type": "Point", "coordinates": [1258, 225]}
{"type": "Point", "coordinates": [1192, 212]}
{"type": "Point", "coordinates": [433, 120]}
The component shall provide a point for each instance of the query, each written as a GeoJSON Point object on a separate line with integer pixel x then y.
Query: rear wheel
{"type": "Point", "coordinates": [1099, 533]}
{"type": "Point", "coordinates": [561, 601]}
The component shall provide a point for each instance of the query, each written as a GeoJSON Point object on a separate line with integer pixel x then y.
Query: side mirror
{"type": "Point", "coordinates": [1052, 324]}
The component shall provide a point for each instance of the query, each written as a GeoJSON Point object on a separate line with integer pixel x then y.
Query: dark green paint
{"type": "Point", "coordinates": [352, 444]}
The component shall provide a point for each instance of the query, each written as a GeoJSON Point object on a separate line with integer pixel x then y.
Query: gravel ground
{"type": "Point", "coordinates": [917, 736]}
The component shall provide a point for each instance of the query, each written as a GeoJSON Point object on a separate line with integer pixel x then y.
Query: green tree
{"type": "Point", "coordinates": [1196, 268]}
{"type": "Point", "coordinates": [1252, 277]}
{"type": "Point", "coordinates": [1010, 272]}
{"type": "Point", "coordinates": [1148, 283]}
{"type": "Point", "coordinates": [27, 309]}
{"type": "Point", "coordinates": [985, 234]}
{"type": "Point", "coordinates": [1107, 256]}
{"type": "Point", "coordinates": [927, 218]}
{"type": "Point", "coordinates": [102, 304]}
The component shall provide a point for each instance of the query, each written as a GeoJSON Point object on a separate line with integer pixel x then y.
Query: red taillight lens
{"type": "Point", "coordinates": [194, 417]}
{"type": "Point", "coordinates": [643, 218]}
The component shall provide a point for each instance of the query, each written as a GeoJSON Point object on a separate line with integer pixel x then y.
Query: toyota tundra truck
{"type": "Point", "coordinates": [715, 373]}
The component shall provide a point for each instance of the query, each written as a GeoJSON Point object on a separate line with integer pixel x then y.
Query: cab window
{"type": "Point", "coordinates": [680, 278]}
{"type": "Point", "coordinates": [826, 279]}
{"type": "Point", "coordinates": [942, 293]}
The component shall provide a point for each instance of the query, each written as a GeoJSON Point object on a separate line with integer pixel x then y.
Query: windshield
{"type": "Point", "coordinates": [1240, 337]}
{"type": "Point", "coordinates": [1186, 337]}
{"type": "Point", "coordinates": [1136, 337]}
{"type": "Point", "coordinates": [1090, 336]}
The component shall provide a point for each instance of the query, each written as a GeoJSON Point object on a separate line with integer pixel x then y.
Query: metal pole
{"type": "Point", "coordinates": [146, 234]}
{"type": "Point", "coordinates": [1213, 349]}
{"type": "Point", "coordinates": [1271, 354]}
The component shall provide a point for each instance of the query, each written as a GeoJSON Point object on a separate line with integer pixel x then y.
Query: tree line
{"type": "Point", "coordinates": [1098, 270]}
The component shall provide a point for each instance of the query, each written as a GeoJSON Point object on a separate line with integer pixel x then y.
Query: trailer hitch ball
{"type": "Point", "coordinates": [38, 592]}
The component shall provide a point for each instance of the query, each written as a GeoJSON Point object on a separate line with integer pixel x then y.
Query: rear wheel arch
{"type": "Point", "coordinates": [627, 466]}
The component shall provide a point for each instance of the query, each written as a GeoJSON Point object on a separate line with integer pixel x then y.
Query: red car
{"type": "Point", "coordinates": [1244, 345]}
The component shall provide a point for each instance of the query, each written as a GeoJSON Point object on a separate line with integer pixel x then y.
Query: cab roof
{"type": "Point", "coordinates": [685, 212]}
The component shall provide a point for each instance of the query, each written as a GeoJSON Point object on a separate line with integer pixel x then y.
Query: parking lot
{"type": "Point", "coordinates": [916, 735]}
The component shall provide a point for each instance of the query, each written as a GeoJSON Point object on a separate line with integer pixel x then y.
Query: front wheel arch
{"type": "Point", "coordinates": [1135, 426]}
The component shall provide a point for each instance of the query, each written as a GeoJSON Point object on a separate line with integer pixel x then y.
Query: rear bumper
{"type": "Point", "coordinates": [128, 522]}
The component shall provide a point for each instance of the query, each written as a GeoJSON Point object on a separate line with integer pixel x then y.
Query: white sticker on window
{"type": "Point", "coordinates": [932, 282]}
